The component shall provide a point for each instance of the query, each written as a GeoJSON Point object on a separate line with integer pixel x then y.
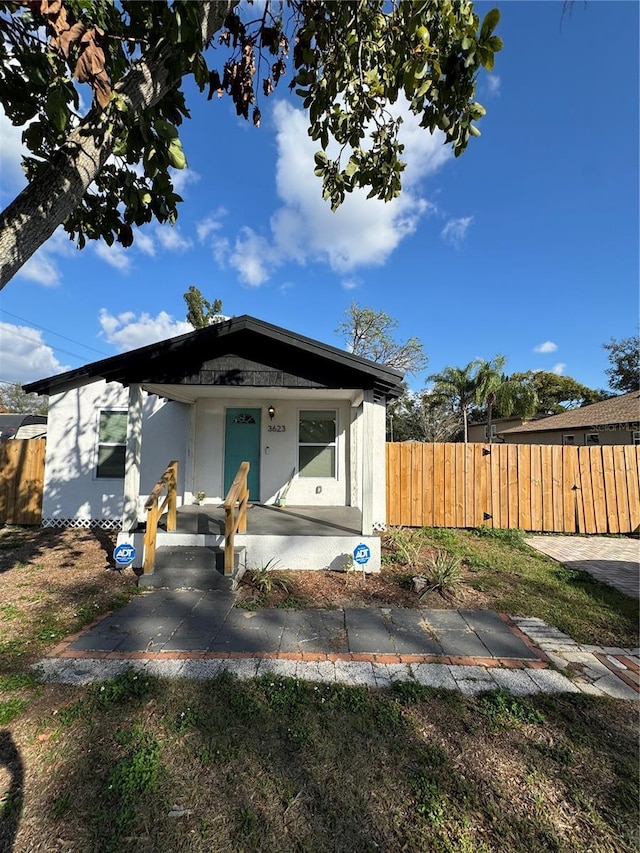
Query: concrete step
{"type": "Point", "coordinates": [193, 567]}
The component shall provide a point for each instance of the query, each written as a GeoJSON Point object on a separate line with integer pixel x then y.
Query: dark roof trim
{"type": "Point", "coordinates": [120, 368]}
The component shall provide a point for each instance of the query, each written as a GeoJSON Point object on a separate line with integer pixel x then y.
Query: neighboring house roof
{"type": "Point", "coordinates": [11, 423]}
{"type": "Point", "coordinates": [237, 352]}
{"type": "Point", "coordinates": [623, 410]}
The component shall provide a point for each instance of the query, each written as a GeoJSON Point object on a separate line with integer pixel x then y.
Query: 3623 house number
{"type": "Point", "coordinates": [276, 428]}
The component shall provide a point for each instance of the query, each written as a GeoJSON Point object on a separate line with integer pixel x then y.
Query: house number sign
{"type": "Point", "coordinates": [276, 428]}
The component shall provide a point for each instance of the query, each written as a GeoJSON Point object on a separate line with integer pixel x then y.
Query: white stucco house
{"type": "Point", "coordinates": [308, 417]}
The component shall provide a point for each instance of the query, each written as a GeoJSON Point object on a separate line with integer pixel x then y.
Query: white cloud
{"type": "Point", "coordinates": [210, 224]}
{"type": "Point", "coordinates": [252, 257]}
{"type": "Point", "coordinates": [171, 239]}
{"type": "Point", "coordinates": [559, 368]}
{"type": "Point", "coordinates": [25, 356]}
{"type": "Point", "coordinates": [181, 178]}
{"type": "Point", "coordinates": [13, 178]}
{"type": "Point", "coordinates": [145, 243]}
{"type": "Point", "coordinates": [349, 284]}
{"type": "Point", "coordinates": [547, 346]}
{"type": "Point", "coordinates": [116, 255]}
{"type": "Point", "coordinates": [126, 331]}
{"type": "Point", "coordinates": [362, 232]}
{"type": "Point", "coordinates": [42, 269]}
{"type": "Point", "coordinates": [455, 231]}
{"type": "Point", "coordinates": [493, 84]}
{"type": "Point", "coordinates": [42, 266]}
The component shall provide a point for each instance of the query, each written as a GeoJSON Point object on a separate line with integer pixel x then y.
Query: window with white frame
{"type": "Point", "coordinates": [112, 444]}
{"type": "Point", "coordinates": [591, 439]}
{"type": "Point", "coordinates": [568, 439]}
{"type": "Point", "coordinates": [636, 436]}
{"type": "Point", "coordinates": [317, 431]}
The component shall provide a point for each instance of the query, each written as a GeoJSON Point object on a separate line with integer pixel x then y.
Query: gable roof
{"type": "Point", "coordinates": [232, 353]}
{"type": "Point", "coordinates": [623, 410]}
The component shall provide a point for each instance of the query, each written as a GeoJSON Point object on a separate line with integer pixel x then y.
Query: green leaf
{"type": "Point", "coordinates": [490, 23]}
{"type": "Point", "coordinates": [176, 155]}
{"type": "Point", "coordinates": [165, 129]}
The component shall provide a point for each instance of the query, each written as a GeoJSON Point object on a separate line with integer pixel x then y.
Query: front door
{"type": "Point", "coordinates": [242, 444]}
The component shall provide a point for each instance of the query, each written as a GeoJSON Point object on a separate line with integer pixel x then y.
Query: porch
{"type": "Point", "coordinates": [265, 520]}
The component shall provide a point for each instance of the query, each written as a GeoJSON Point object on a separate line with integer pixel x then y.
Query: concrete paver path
{"type": "Point", "coordinates": [612, 560]}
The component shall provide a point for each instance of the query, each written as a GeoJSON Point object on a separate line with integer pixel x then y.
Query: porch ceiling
{"type": "Point", "coordinates": [191, 393]}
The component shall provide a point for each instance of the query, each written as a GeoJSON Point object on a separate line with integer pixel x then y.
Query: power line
{"type": "Point", "coordinates": [42, 343]}
{"type": "Point", "coordinates": [51, 332]}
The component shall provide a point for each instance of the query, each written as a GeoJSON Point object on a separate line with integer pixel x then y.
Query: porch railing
{"type": "Point", "coordinates": [235, 514]}
{"type": "Point", "coordinates": [155, 509]}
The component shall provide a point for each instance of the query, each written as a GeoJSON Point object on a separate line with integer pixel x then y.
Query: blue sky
{"type": "Point", "coordinates": [527, 245]}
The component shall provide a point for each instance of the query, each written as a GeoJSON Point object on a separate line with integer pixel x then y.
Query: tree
{"type": "Point", "coordinates": [370, 334]}
{"type": "Point", "coordinates": [457, 387]}
{"type": "Point", "coordinates": [495, 389]}
{"type": "Point", "coordinates": [14, 399]}
{"type": "Point", "coordinates": [106, 170]}
{"type": "Point", "coordinates": [420, 417]}
{"type": "Point", "coordinates": [201, 312]}
{"type": "Point", "coordinates": [557, 394]}
{"type": "Point", "coordinates": [624, 360]}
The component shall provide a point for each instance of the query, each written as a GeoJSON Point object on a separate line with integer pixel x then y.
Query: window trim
{"type": "Point", "coordinates": [635, 436]}
{"type": "Point", "coordinates": [567, 443]}
{"type": "Point", "coordinates": [333, 443]}
{"type": "Point", "coordinates": [99, 444]}
{"type": "Point", "coordinates": [589, 435]}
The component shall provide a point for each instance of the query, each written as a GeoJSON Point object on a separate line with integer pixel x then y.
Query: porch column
{"type": "Point", "coordinates": [132, 459]}
{"type": "Point", "coordinates": [366, 457]}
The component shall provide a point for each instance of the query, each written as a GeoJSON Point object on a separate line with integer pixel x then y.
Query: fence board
{"type": "Point", "coordinates": [569, 457]}
{"type": "Point", "coordinates": [588, 516]}
{"type": "Point", "coordinates": [460, 463]}
{"type": "Point", "coordinates": [597, 480]}
{"type": "Point", "coordinates": [524, 486]}
{"type": "Point", "coordinates": [610, 490]}
{"type": "Point", "coordinates": [632, 467]}
{"type": "Point", "coordinates": [21, 480]}
{"type": "Point", "coordinates": [417, 487]}
{"type": "Point", "coordinates": [622, 497]}
{"type": "Point", "coordinates": [428, 452]}
{"type": "Point", "coordinates": [534, 487]}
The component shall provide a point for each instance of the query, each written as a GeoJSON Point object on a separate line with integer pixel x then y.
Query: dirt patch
{"type": "Point", "coordinates": [52, 583]}
{"type": "Point", "coordinates": [392, 587]}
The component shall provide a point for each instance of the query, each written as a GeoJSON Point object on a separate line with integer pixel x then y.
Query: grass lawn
{"type": "Point", "coordinates": [280, 765]}
{"type": "Point", "coordinates": [512, 577]}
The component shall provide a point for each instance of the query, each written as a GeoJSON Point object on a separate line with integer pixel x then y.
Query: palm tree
{"type": "Point", "coordinates": [457, 386]}
{"type": "Point", "coordinates": [510, 396]}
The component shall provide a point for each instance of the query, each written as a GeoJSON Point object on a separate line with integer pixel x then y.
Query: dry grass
{"type": "Point", "coordinates": [281, 765]}
{"type": "Point", "coordinates": [277, 764]}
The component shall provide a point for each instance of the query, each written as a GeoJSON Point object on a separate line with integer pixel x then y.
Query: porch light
{"type": "Point", "coordinates": [272, 412]}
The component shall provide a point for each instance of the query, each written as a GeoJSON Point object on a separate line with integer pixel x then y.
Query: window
{"type": "Point", "coordinates": [591, 438]}
{"type": "Point", "coordinates": [493, 431]}
{"type": "Point", "coordinates": [317, 443]}
{"type": "Point", "coordinates": [568, 439]}
{"type": "Point", "coordinates": [112, 444]}
{"type": "Point", "coordinates": [636, 436]}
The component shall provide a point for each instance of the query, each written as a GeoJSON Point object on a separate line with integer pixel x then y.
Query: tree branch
{"type": "Point", "coordinates": [33, 216]}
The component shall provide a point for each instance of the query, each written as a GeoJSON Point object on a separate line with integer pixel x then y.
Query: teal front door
{"type": "Point", "coordinates": [242, 444]}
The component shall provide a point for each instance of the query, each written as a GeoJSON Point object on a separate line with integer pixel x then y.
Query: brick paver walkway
{"type": "Point", "coordinates": [612, 560]}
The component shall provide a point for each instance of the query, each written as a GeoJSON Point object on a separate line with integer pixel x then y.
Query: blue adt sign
{"type": "Point", "coordinates": [362, 554]}
{"type": "Point", "coordinates": [124, 554]}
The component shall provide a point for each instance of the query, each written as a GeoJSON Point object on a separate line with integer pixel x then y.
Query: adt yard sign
{"type": "Point", "coordinates": [124, 554]}
{"type": "Point", "coordinates": [362, 554]}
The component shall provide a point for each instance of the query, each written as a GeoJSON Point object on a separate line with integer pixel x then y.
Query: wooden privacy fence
{"type": "Point", "coordinates": [528, 486]}
{"type": "Point", "coordinates": [21, 480]}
